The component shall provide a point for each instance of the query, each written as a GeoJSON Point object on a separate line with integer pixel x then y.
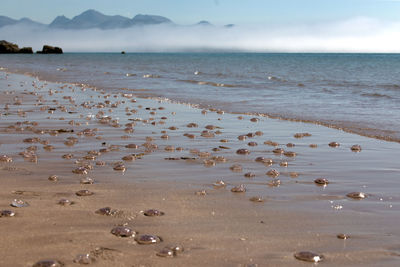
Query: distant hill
{"type": "Point", "coordinates": [94, 19]}
{"type": "Point", "coordinates": [6, 21]}
{"type": "Point", "coordinates": [28, 21]}
{"type": "Point", "coordinates": [149, 19]}
{"type": "Point", "coordinates": [59, 22]}
{"type": "Point", "coordinates": [204, 23]}
{"type": "Point", "coordinates": [91, 19]}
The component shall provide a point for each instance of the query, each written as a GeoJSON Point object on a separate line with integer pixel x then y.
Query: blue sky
{"type": "Point", "coordinates": [215, 11]}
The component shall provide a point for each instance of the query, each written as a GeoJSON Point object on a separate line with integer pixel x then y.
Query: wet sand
{"type": "Point", "coordinates": [218, 228]}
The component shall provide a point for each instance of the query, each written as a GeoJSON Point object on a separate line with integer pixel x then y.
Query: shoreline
{"type": "Point", "coordinates": [220, 228]}
{"type": "Point", "coordinates": [136, 92]}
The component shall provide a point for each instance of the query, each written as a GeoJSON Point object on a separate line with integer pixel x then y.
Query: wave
{"type": "Point", "coordinates": [391, 86]}
{"type": "Point", "coordinates": [349, 127]}
{"type": "Point", "coordinates": [209, 83]}
{"type": "Point", "coordinates": [377, 95]}
{"type": "Point", "coordinates": [276, 79]}
{"type": "Point", "coordinates": [151, 76]}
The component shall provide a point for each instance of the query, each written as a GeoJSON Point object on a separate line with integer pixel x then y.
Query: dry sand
{"type": "Point", "coordinates": [220, 228]}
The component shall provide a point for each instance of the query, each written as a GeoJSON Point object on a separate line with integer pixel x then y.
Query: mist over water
{"type": "Point", "coordinates": [352, 35]}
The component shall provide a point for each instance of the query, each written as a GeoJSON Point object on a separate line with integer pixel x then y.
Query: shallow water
{"type": "Point", "coordinates": [356, 92]}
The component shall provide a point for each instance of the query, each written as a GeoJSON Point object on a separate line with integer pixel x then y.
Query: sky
{"type": "Point", "coordinates": [261, 25]}
{"type": "Point", "coordinates": [219, 12]}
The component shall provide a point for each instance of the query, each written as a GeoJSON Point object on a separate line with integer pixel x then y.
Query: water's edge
{"type": "Point", "coordinates": [366, 132]}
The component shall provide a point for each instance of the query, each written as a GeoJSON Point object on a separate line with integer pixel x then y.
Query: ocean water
{"type": "Point", "coordinates": [359, 93]}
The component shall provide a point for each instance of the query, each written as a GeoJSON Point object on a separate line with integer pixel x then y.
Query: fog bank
{"type": "Point", "coordinates": [353, 35]}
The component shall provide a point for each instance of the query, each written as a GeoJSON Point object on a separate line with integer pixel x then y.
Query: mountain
{"type": "Point", "coordinates": [204, 23]}
{"type": "Point", "coordinates": [94, 19]}
{"type": "Point", "coordinates": [116, 22]}
{"type": "Point", "coordinates": [59, 21]}
{"type": "Point", "coordinates": [88, 20]}
{"type": "Point", "coordinates": [149, 19]}
{"type": "Point", "coordinates": [91, 19]}
{"type": "Point", "coordinates": [27, 21]}
{"type": "Point", "coordinates": [6, 21]}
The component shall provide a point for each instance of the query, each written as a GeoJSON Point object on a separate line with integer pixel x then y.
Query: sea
{"type": "Point", "coordinates": [358, 93]}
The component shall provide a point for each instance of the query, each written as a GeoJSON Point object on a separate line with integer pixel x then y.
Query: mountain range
{"type": "Point", "coordinates": [92, 19]}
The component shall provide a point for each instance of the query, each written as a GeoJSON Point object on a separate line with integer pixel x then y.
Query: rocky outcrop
{"type": "Point", "coordinates": [10, 48]}
{"type": "Point", "coordinates": [26, 50]}
{"type": "Point", "coordinates": [47, 49]}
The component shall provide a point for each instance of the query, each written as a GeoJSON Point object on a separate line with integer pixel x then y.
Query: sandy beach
{"type": "Point", "coordinates": [155, 154]}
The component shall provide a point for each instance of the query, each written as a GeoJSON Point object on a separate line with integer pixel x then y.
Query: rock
{"type": "Point", "coordinates": [47, 49]}
{"type": "Point", "coordinates": [26, 50]}
{"type": "Point", "coordinates": [48, 263]}
{"type": "Point", "coordinates": [8, 48]}
{"type": "Point", "coordinates": [309, 256]}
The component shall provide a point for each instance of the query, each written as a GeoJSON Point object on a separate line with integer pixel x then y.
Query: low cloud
{"type": "Point", "coordinates": [354, 35]}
